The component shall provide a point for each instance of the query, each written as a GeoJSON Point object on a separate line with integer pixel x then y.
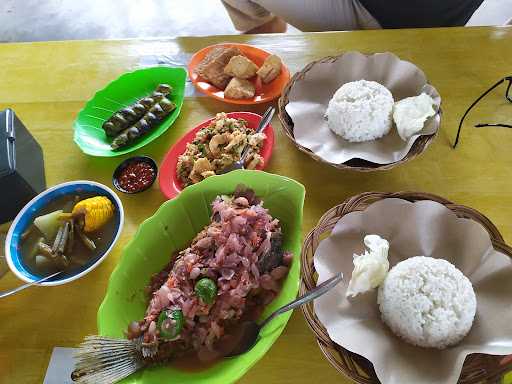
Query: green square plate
{"type": "Point", "coordinates": [172, 228]}
{"type": "Point", "coordinates": [123, 91]}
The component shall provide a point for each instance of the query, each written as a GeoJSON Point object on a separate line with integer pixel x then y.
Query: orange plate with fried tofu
{"type": "Point", "coordinates": [262, 92]}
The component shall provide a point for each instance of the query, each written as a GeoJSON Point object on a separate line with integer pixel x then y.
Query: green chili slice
{"type": "Point", "coordinates": [170, 323]}
{"type": "Point", "coordinates": [206, 290]}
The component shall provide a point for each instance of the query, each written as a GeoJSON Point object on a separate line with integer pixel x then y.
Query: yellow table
{"type": "Point", "coordinates": [47, 83]}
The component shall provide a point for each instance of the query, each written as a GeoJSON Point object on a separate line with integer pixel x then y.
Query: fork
{"type": "Point", "coordinates": [265, 120]}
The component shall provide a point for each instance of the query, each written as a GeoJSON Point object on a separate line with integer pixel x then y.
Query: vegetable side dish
{"type": "Point", "coordinates": [230, 271]}
{"type": "Point", "coordinates": [216, 147]}
{"type": "Point", "coordinates": [68, 233]}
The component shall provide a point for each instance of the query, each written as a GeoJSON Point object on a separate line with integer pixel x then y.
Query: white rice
{"type": "Point", "coordinates": [427, 302]}
{"type": "Point", "coordinates": [360, 111]}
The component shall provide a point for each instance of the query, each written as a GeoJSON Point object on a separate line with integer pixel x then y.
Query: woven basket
{"type": "Point", "coordinates": [361, 165]}
{"type": "Point", "coordinates": [477, 369]}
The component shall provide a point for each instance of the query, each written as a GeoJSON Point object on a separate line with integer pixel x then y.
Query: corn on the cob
{"type": "Point", "coordinates": [96, 211]}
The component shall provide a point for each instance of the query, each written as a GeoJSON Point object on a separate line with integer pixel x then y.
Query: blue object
{"type": "Point", "coordinates": [30, 211]}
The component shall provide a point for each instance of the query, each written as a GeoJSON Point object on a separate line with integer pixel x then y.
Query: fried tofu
{"type": "Point", "coordinates": [211, 68]}
{"type": "Point", "coordinates": [241, 67]}
{"type": "Point", "coordinates": [270, 69]}
{"type": "Point", "coordinates": [239, 89]}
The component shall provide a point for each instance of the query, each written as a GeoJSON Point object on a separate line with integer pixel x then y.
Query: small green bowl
{"type": "Point", "coordinates": [172, 228]}
{"type": "Point", "coordinates": [123, 91]}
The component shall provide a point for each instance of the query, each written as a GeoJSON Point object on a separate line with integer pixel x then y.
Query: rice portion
{"type": "Point", "coordinates": [428, 302]}
{"type": "Point", "coordinates": [360, 111]}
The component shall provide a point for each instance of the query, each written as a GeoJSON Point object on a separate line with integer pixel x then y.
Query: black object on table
{"type": "Point", "coordinates": [134, 179]}
{"type": "Point", "coordinates": [21, 166]}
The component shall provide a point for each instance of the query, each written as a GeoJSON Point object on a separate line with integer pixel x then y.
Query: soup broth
{"type": "Point", "coordinates": [80, 257]}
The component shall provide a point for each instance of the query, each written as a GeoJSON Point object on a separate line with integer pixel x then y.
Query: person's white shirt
{"type": "Point", "coordinates": [332, 15]}
{"type": "Point", "coordinates": [306, 15]}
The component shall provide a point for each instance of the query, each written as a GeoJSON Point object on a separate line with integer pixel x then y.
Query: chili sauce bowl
{"type": "Point", "coordinates": [135, 183]}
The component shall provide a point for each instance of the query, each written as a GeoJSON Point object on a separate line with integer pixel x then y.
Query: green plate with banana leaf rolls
{"type": "Point", "coordinates": [131, 111]}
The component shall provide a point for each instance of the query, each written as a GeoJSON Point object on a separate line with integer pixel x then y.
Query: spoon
{"type": "Point", "coordinates": [267, 116]}
{"type": "Point", "coordinates": [21, 287]}
{"type": "Point", "coordinates": [246, 335]}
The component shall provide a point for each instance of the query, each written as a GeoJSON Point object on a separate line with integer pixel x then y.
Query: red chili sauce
{"type": "Point", "coordinates": [136, 176]}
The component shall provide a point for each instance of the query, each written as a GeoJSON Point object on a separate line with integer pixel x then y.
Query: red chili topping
{"type": "Point", "coordinates": [136, 176]}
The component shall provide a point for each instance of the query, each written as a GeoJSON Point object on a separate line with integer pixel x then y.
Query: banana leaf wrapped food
{"type": "Point", "coordinates": [150, 120]}
{"type": "Point", "coordinates": [126, 117]}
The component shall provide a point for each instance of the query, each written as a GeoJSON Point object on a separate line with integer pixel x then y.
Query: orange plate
{"type": "Point", "coordinates": [264, 92]}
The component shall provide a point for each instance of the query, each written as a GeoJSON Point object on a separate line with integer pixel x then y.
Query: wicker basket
{"type": "Point", "coordinates": [478, 368]}
{"type": "Point", "coordinates": [361, 165]}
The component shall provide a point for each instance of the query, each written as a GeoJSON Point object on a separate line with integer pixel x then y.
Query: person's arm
{"type": "Point", "coordinates": [276, 25]}
{"type": "Point", "coordinates": [249, 17]}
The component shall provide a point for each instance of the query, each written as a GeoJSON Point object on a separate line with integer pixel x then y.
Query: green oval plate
{"type": "Point", "coordinates": [123, 91]}
{"type": "Point", "coordinates": [172, 228]}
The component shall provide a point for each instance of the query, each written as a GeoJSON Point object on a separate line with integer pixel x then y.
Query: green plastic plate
{"type": "Point", "coordinates": [126, 90]}
{"type": "Point", "coordinates": [172, 228]}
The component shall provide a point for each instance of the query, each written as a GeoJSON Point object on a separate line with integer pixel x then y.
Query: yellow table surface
{"type": "Point", "coordinates": [47, 84]}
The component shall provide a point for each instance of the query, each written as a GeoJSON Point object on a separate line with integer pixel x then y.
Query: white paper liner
{"type": "Point", "coordinates": [309, 97]}
{"type": "Point", "coordinates": [422, 228]}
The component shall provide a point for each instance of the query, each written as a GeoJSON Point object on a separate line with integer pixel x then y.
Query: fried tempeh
{"type": "Point", "coordinates": [270, 69]}
{"type": "Point", "coordinates": [240, 89]}
{"type": "Point", "coordinates": [241, 67]}
{"type": "Point", "coordinates": [211, 68]}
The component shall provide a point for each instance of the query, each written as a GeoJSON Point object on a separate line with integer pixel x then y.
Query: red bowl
{"type": "Point", "coordinates": [171, 186]}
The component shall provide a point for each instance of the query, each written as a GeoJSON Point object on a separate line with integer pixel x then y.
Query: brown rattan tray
{"type": "Point", "coordinates": [419, 146]}
{"type": "Point", "coordinates": [477, 369]}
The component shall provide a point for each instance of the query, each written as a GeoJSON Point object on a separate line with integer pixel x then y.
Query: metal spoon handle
{"type": "Point", "coordinates": [21, 287]}
{"type": "Point", "coordinates": [267, 117]}
{"type": "Point", "coordinates": [307, 297]}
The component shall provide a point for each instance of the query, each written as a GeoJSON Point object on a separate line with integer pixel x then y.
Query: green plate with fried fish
{"type": "Point", "coordinates": [121, 93]}
{"type": "Point", "coordinates": [171, 229]}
